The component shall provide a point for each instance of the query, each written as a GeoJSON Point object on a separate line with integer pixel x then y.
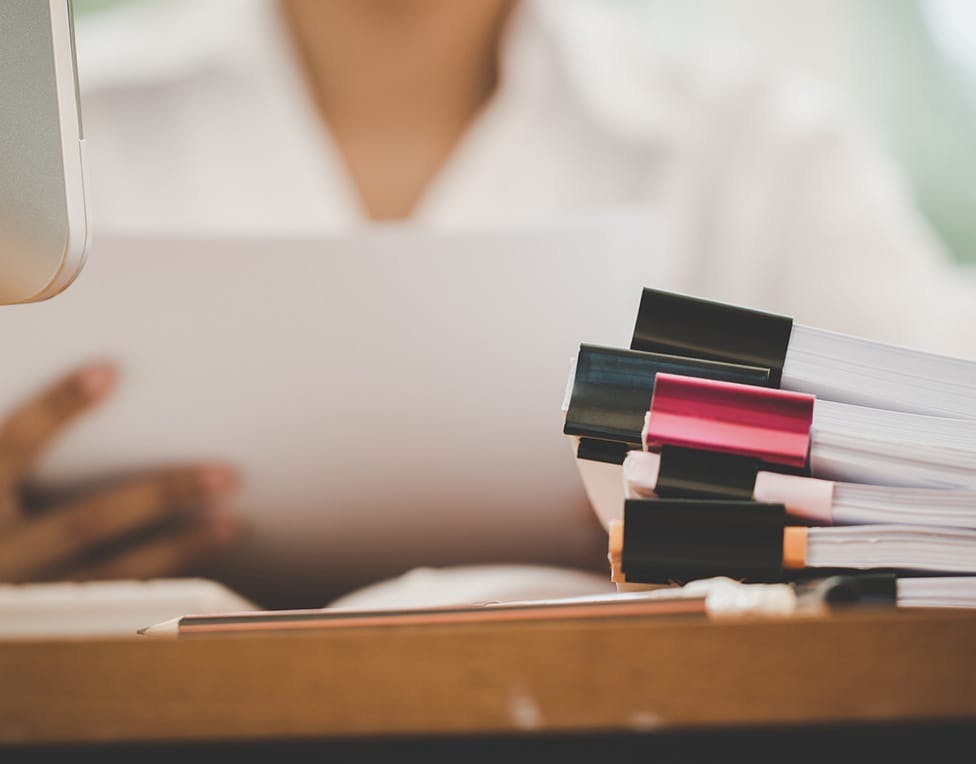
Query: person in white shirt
{"type": "Point", "coordinates": [301, 116]}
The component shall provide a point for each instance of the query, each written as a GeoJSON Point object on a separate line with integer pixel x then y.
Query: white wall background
{"type": "Point", "coordinates": [906, 67]}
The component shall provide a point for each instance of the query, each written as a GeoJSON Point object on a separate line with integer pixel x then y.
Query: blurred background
{"type": "Point", "coordinates": [905, 68]}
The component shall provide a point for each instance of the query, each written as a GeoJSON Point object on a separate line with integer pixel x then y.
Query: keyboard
{"type": "Point", "coordinates": [108, 608]}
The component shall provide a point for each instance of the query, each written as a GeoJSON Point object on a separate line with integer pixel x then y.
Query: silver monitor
{"type": "Point", "coordinates": [44, 227]}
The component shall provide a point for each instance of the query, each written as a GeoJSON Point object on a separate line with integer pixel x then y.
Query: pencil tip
{"type": "Point", "coordinates": [164, 628]}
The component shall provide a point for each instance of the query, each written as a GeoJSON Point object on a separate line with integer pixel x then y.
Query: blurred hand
{"type": "Point", "coordinates": [157, 524]}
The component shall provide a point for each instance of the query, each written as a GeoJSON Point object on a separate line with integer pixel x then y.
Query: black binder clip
{"type": "Point", "coordinates": [689, 326]}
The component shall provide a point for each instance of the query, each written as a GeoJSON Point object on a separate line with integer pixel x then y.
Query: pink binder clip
{"type": "Point", "coordinates": [766, 423]}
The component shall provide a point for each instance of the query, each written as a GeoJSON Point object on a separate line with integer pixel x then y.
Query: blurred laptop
{"type": "Point", "coordinates": [392, 399]}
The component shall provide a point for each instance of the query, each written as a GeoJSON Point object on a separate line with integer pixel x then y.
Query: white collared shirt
{"type": "Point", "coordinates": [198, 121]}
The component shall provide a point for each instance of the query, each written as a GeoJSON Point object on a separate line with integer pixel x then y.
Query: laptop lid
{"type": "Point", "coordinates": [392, 399]}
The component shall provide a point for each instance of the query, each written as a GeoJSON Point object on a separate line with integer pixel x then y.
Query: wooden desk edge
{"type": "Point", "coordinates": [574, 676]}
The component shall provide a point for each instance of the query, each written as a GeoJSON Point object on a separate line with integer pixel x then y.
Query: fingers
{"type": "Point", "coordinates": [176, 554]}
{"type": "Point", "coordinates": [31, 427]}
{"type": "Point", "coordinates": [31, 548]}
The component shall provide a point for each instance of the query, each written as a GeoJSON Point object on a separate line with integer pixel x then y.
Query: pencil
{"type": "Point", "coordinates": [660, 602]}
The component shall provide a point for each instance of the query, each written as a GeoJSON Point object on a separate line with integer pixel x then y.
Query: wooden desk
{"type": "Point", "coordinates": [663, 673]}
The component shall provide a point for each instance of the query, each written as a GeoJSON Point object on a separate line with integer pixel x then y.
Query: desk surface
{"type": "Point", "coordinates": [623, 674]}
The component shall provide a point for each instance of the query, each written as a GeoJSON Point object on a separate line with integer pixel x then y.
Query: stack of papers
{"type": "Point", "coordinates": [730, 442]}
